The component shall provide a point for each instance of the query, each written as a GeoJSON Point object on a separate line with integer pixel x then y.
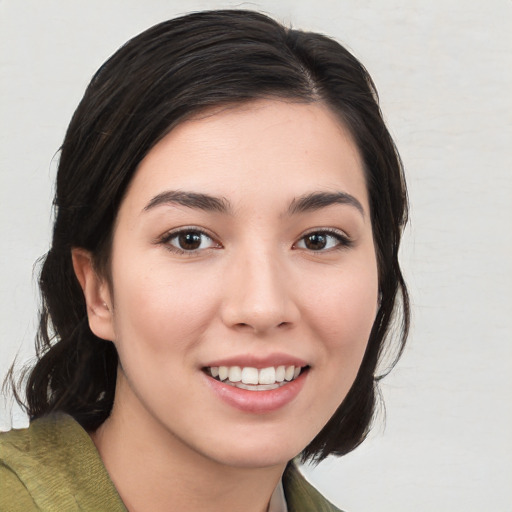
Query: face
{"type": "Point", "coordinates": [244, 282]}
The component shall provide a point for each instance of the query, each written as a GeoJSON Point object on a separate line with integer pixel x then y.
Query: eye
{"type": "Point", "coordinates": [188, 240]}
{"type": "Point", "coordinates": [323, 241]}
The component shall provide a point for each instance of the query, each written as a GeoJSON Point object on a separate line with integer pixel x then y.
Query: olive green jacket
{"type": "Point", "coordinates": [53, 466]}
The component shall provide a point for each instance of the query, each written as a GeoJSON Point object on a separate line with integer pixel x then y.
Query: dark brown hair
{"type": "Point", "coordinates": [166, 74]}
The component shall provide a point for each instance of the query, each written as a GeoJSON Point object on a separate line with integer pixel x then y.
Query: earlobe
{"type": "Point", "coordinates": [97, 294]}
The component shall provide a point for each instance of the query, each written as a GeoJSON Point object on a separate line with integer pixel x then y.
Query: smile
{"type": "Point", "coordinates": [254, 379]}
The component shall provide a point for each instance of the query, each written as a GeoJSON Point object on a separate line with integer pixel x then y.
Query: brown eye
{"type": "Point", "coordinates": [189, 241]}
{"type": "Point", "coordinates": [323, 241]}
{"type": "Point", "coordinates": [315, 241]}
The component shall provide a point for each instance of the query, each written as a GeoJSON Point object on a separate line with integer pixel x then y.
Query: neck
{"type": "Point", "coordinates": [152, 470]}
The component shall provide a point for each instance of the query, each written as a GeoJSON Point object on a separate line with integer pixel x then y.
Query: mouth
{"type": "Point", "coordinates": [255, 379]}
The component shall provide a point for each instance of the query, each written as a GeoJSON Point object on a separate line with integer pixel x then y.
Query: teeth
{"type": "Point", "coordinates": [248, 377]}
{"type": "Point", "coordinates": [259, 387]}
{"type": "Point", "coordinates": [267, 376]}
{"type": "Point", "coordinates": [223, 372]}
{"type": "Point", "coordinates": [235, 374]}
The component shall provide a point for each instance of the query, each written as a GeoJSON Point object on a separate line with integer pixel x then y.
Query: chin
{"type": "Point", "coordinates": [262, 452]}
{"type": "Point", "coordinates": [255, 459]}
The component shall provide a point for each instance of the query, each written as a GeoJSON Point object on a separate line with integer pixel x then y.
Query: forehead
{"type": "Point", "coordinates": [265, 149]}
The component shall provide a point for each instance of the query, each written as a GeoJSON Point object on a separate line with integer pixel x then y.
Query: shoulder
{"type": "Point", "coordinates": [14, 497]}
{"type": "Point", "coordinates": [53, 465]}
{"type": "Point", "coordinates": [301, 496]}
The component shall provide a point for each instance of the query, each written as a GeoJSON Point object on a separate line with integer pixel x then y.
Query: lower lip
{"type": "Point", "coordinates": [257, 402]}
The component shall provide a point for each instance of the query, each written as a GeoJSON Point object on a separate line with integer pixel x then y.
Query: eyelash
{"type": "Point", "coordinates": [166, 241]}
{"type": "Point", "coordinates": [342, 240]}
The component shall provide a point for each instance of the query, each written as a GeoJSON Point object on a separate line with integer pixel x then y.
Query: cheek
{"type": "Point", "coordinates": [344, 319]}
{"type": "Point", "coordinates": [341, 319]}
{"type": "Point", "coordinates": [343, 307]}
{"type": "Point", "coordinates": [159, 309]}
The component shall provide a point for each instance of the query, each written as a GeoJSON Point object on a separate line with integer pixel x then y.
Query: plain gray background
{"type": "Point", "coordinates": [444, 72]}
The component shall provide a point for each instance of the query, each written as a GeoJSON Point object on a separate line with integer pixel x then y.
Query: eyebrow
{"type": "Point", "coordinates": [318, 200]}
{"type": "Point", "coordinates": [191, 200]}
{"type": "Point", "coordinates": [306, 203]}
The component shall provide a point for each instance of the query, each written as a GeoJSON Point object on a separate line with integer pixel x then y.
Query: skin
{"type": "Point", "coordinates": [252, 288]}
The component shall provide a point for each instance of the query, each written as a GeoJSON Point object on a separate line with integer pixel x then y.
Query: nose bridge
{"type": "Point", "coordinates": [257, 291]}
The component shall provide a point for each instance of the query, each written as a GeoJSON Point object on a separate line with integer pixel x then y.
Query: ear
{"type": "Point", "coordinates": [97, 294]}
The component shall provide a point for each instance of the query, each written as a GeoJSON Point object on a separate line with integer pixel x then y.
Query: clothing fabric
{"type": "Point", "coordinates": [277, 500]}
{"type": "Point", "coordinates": [53, 466]}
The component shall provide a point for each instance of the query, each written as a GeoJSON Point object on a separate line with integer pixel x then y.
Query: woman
{"type": "Point", "coordinates": [222, 277]}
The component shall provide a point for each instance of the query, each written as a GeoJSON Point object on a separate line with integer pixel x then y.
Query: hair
{"type": "Point", "coordinates": [163, 76]}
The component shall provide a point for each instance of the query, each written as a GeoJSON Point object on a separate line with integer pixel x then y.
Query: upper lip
{"type": "Point", "coordinates": [255, 361]}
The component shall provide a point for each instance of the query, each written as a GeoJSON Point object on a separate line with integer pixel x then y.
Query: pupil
{"type": "Point", "coordinates": [315, 242]}
{"type": "Point", "coordinates": [189, 241]}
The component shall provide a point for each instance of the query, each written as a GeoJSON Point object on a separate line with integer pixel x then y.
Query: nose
{"type": "Point", "coordinates": [259, 294]}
